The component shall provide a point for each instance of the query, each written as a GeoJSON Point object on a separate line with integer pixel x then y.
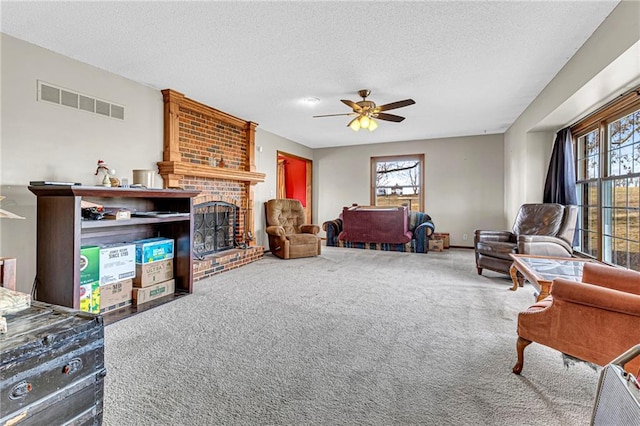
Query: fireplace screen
{"type": "Point", "coordinates": [214, 227]}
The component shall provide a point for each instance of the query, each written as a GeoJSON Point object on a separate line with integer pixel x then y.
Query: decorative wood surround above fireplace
{"type": "Point", "coordinates": [196, 138]}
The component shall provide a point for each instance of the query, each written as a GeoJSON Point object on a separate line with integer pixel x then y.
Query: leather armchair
{"type": "Point", "coordinates": [595, 320]}
{"type": "Point", "coordinates": [289, 237]}
{"type": "Point", "coordinates": [539, 229]}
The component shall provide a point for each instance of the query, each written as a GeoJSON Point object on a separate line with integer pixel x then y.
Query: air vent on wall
{"type": "Point", "coordinates": [54, 94]}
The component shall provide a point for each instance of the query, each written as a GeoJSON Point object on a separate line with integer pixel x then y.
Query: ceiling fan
{"type": "Point", "coordinates": [367, 111]}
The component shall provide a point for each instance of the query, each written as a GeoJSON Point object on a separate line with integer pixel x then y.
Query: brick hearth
{"type": "Point", "coordinates": [225, 261]}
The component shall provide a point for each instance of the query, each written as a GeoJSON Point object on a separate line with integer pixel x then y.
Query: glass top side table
{"type": "Point", "coordinates": [540, 271]}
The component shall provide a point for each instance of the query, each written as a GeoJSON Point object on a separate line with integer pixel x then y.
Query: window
{"type": "Point", "coordinates": [397, 181]}
{"type": "Point", "coordinates": [607, 153]}
{"type": "Point", "coordinates": [587, 179]}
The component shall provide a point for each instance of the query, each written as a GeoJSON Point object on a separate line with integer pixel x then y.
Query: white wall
{"type": "Point", "coordinates": [606, 65]}
{"type": "Point", "coordinates": [464, 181]}
{"type": "Point", "coordinates": [266, 162]}
{"type": "Point", "coordinates": [41, 141]}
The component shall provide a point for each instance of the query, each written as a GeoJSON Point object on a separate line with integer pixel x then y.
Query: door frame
{"type": "Point", "coordinates": [309, 182]}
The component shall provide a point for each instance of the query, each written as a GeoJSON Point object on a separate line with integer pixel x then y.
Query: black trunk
{"type": "Point", "coordinates": [52, 367]}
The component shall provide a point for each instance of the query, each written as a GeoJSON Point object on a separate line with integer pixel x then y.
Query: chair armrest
{"type": "Point", "coordinates": [416, 218]}
{"type": "Point", "coordinates": [544, 245]}
{"type": "Point", "coordinates": [310, 229]}
{"type": "Point", "coordinates": [502, 236]}
{"type": "Point", "coordinates": [333, 225]}
{"type": "Point", "coordinates": [611, 277]}
{"type": "Point", "coordinates": [333, 229]}
{"type": "Point", "coordinates": [425, 229]}
{"type": "Point", "coordinates": [596, 296]}
{"type": "Point", "coordinates": [275, 231]}
{"type": "Point", "coordinates": [421, 235]}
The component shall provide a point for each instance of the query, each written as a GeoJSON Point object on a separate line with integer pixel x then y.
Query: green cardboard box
{"type": "Point", "coordinates": [89, 264]}
{"type": "Point", "coordinates": [85, 297]}
{"type": "Point", "coordinates": [90, 297]}
{"type": "Point", "coordinates": [95, 297]}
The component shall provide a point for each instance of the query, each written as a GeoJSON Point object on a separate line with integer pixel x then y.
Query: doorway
{"type": "Point", "coordinates": [294, 180]}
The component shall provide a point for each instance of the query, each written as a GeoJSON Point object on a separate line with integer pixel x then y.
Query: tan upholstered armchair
{"type": "Point", "coordinates": [289, 236]}
{"type": "Point", "coordinates": [595, 320]}
{"type": "Point", "coordinates": [539, 229]}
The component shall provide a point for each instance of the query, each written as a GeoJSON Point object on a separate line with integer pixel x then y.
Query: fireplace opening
{"type": "Point", "coordinates": [214, 227]}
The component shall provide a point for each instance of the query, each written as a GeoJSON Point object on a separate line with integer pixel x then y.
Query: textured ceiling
{"type": "Point", "coordinates": [472, 67]}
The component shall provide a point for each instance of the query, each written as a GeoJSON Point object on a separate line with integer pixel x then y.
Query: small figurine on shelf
{"type": "Point", "coordinates": [221, 162]}
{"type": "Point", "coordinates": [106, 179]}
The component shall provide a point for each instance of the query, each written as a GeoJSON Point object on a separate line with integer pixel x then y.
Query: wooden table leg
{"type": "Point", "coordinates": [545, 290]}
{"type": "Point", "coordinates": [516, 277]}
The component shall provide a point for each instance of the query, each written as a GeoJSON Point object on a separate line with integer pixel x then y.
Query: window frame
{"type": "Point", "coordinates": [599, 122]}
{"type": "Point", "coordinates": [401, 157]}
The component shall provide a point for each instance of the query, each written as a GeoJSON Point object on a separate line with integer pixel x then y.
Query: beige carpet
{"type": "Point", "coordinates": [350, 337]}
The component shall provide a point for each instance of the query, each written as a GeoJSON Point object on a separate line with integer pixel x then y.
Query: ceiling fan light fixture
{"type": "Point", "coordinates": [355, 124]}
{"type": "Point", "coordinates": [366, 111]}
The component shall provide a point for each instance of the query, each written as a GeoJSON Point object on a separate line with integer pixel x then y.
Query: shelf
{"type": "Point", "coordinates": [107, 223]}
{"type": "Point", "coordinates": [118, 314]}
{"type": "Point", "coordinates": [103, 191]}
{"type": "Point", "coordinates": [61, 233]}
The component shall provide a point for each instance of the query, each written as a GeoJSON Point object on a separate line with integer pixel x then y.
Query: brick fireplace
{"type": "Point", "coordinates": [214, 152]}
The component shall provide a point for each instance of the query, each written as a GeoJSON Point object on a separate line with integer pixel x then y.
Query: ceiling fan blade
{"type": "Point", "coordinates": [352, 105]}
{"type": "Point", "coordinates": [333, 115]}
{"type": "Point", "coordinates": [389, 117]}
{"type": "Point", "coordinates": [394, 105]}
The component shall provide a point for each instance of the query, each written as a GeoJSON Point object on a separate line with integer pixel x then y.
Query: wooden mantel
{"type": "Point", "coordinates": [172, 168]}
{"type": "Point", "coordinates": [180, 169]}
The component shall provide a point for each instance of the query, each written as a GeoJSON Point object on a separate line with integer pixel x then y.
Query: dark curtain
{"type": "Point", "coordinates": [560, 186]}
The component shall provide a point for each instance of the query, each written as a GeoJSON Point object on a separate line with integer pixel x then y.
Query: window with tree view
{"type": "Point", "coordinates": [608, 184]}
{"type": "Point", "coordinates": [397, 181]}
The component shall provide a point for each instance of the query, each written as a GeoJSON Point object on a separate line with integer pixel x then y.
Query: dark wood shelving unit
{"type": "Point", "coordinates": [61, 231]}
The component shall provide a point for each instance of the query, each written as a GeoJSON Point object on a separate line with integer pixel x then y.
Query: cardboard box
{"type": "Point", "coordinates": [95, 297]}
{"type": "Point", "coordinates": [116, 295]}
{"type": "Point", "coordinates": [90, 297]}
{"type": "Point", "coordinates": [85, 297]}
{"type": "Point", "coordinates": [444, 236]}
{"type": "Point", "coordinates": [153, 250]}
{"type": "Point", "coordinates": [89, 264]}
{"type": "Point", "coordinates": [118, 215]}
{"type": "Point", "coordinates": [436, 245]}
{"type": "Point", "coordinates": [117, 263]}
{"type": "Point", "coordinates": [147, 294]}
{"type": "Point", "coordinates": [152, 273]}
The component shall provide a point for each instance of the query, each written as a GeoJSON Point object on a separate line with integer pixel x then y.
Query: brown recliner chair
{"type": "Point", "coordinates": [595, 320]}
{"type": "Point", "coordinates": [289, 236]}
{"type": "Point", "coordinates": [539, 229]}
